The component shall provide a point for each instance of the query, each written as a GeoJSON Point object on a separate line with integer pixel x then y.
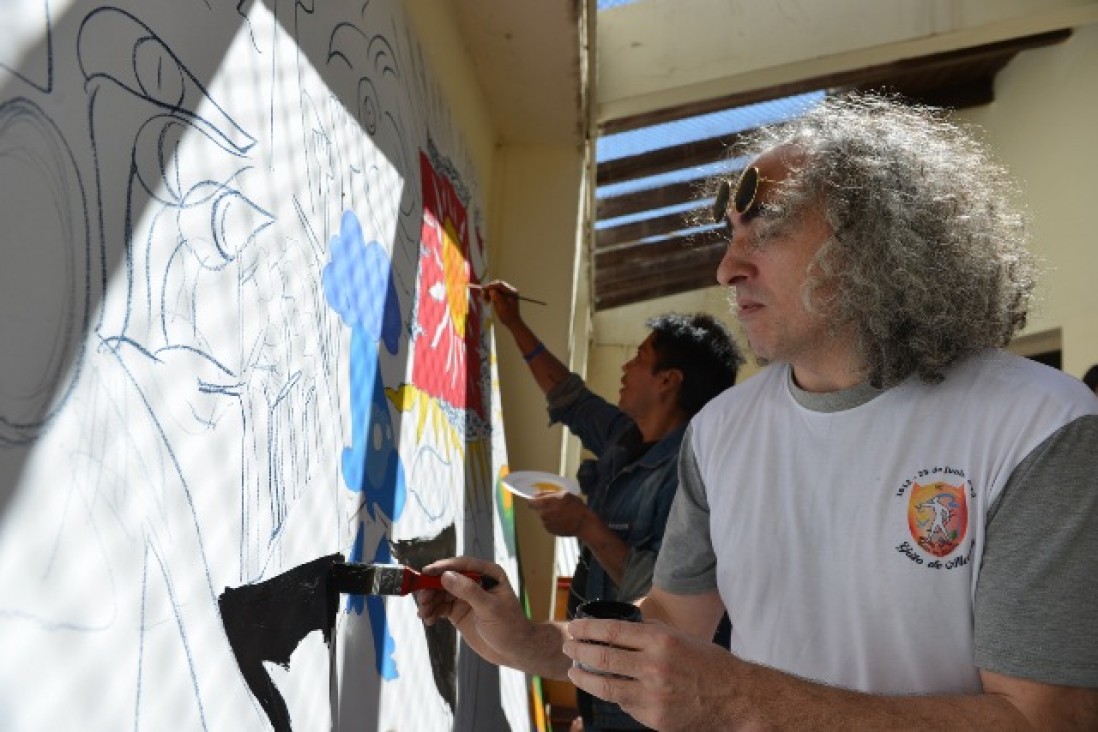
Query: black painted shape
{"type": "Point", "coordinates": [442, 641]}
{"type": "Point", "coordinates": [265, 621]}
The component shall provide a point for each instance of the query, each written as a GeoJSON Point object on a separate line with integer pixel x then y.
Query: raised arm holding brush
{"type": "Point", "coordinates": [547, 369]}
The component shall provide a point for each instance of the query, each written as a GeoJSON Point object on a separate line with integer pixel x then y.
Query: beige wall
{"type": "Point", "coordinates": [1044, 127]}
{"type": "Point", "coordinates": [435, 25]}
{"type": "Point", "coordinates": [535, 213]}
{"type": "Point", "coordinates": [531, 194]}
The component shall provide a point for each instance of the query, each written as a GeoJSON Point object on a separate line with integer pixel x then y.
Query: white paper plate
{"type": "Point", "coordinates": [528, 483]}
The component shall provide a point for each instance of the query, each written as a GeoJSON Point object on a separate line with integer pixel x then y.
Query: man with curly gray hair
{"type": "Point", "coordinates": [899, 517]}
{"type": "Point", "coordinates": [924, 261]}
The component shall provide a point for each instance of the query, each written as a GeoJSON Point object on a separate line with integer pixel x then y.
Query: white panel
{"type": "Point", "coordinates": [235, 255]}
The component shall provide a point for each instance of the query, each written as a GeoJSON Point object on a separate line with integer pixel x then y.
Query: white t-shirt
{"type": "Point", "coordinates": [845, 533]}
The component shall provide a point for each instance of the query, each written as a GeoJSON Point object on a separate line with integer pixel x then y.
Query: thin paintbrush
{"type": "Point", "coordinates": [474, 286]}
{"type": "Point", "coordinates": [390, 579]}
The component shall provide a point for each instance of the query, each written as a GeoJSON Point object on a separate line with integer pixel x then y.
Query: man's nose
{"type": "Point", "coordinates": [735, 264]}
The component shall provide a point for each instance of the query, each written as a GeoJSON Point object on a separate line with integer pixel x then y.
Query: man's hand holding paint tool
{"type": "Point", "coordinates": [491, 622]}
{"type": "Point", "coordinates": [496, 628]}
{"type": "Point", "coordinates": [504, 299]}
{"type": "Point", "coordinates": [608, 650]}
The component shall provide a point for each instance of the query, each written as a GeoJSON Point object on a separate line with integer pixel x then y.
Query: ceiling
{"type": "Point", "coordinates": [527, 55]}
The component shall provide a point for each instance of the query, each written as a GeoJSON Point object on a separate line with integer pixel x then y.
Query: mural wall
{"type": "Point", "coordinates": [235, 340]}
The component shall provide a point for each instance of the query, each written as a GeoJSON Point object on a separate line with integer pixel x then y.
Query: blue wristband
{"type": "Point", "coordinates": [534, 352]}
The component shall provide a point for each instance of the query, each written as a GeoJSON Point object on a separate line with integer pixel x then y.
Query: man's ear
{"type": "Point", "coordinates": [672, 377]}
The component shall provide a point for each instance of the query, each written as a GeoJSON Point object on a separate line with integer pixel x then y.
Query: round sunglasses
{"type": "Point", "coordinates": [743, 199]}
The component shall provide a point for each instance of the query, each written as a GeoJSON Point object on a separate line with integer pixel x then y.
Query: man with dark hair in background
{"type": "Point", "coordinates": [684, 362]}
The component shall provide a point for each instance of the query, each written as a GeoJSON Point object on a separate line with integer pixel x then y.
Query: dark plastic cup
{"type": "Point", "coordinates": [610, 610]}
{"type": "Point", "coordinates": [607, 610]}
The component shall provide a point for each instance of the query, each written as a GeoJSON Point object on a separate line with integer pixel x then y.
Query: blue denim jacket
{"type": "Point", "coordinates": [632, 495]}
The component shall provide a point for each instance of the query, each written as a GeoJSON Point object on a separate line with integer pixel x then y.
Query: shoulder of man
{"type": "Point", "coordinates": [1019, 384]}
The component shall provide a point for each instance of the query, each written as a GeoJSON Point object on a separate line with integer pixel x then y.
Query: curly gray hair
{"type": "Point", "coordinates": [928, 259]}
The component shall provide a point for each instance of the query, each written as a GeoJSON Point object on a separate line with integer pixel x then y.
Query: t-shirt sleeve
{"type": "Point", "coordinates": [636, 576]}
{"type": "Point", "coordinates": [686, 564]}
{"type": "Point", "coordinates": [1036, 605]}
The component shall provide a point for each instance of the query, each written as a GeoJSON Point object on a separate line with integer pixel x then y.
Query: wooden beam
{"type": "Point", "coordinates": [652, 198]}
{"type": "Point", "coordinates": [972, 93]}
{"type": "Point", "coordinates": [698, 272]}
{"type": "Point", "coordinates": [645, 271]}
{"type": "Point", "coordinates": [625, 257]}
{"type": "Point", "coordinates": [657, 226]}
{"type": "Point", "coordinates": [665, 159]}
{"type": "Point", "coordinates": [664, 289]}
{"type": "Point", "coordinates": [854, 79]}
{"type": "Point", "coordinates": [693, 274]}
